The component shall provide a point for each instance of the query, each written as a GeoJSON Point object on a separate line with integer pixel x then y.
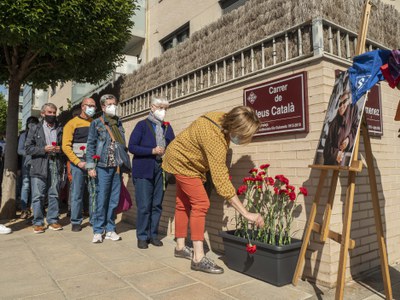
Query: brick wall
{"type": "Point", "coordinates": [291, 155]}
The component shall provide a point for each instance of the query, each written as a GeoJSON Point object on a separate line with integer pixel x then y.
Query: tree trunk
{"type": "Point", "coordinates": [8, 199]}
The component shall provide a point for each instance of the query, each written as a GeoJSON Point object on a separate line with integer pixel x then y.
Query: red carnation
{"type": "Point", "coordinates": [251, 248]}
{"type": "Point", "coordinates": [82, 148]}
{"type": "Point", "coordinates": [96, 157]}
{"type": "Point", "coordinates": [265, 166]}
{"type": "Point", "coordinates": [270, 181]}
{"type": "Point", "coordinates": [292, 196]}
{"type": "Point", "coordinates": [258, 178]}
{"type": "Point", "coordinates": [241, 190]}
{"type": "Point", "coordinates": [276, 190]}
{"type": "Point", "coordinates": [253, 171]}
{"type": "Point", "coordinates": [261, 174]}
{"type": "Point", "coordinates": [291, 188]}
{"type": "Point", "coordinates": [166, 124]}
{"type": "Point", "coordinates": [230, 177]}
{"type": "Point", "coordinates": [282, 179]}
{"type": "Point", "coordinates": [54, 144]}
{"type": "Point", "coordinates": [303, 190]}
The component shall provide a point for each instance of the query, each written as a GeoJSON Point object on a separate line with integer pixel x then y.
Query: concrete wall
{"type": "Point", "coordinates": [291, 155]}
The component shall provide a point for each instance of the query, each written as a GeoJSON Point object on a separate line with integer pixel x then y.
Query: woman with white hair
{"type": "Point", "coordinates": [147, 143]}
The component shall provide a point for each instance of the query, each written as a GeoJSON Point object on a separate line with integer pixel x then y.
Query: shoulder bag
{"type": "Point", "coordinates": [121, 155]}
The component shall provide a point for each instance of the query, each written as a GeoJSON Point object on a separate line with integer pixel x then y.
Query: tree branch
{"type": "Point", "coordinates": [8, 58]}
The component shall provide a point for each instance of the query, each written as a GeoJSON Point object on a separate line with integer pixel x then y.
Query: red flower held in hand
{"type": "Point", "coordinates": [241, 190]}
{"type": "Point", "coordinates": [251, 248]}
{"type": "Point", "coordinates": [82, 148]}
{"type": "Point", "coordinates": [96, 157]}
{"type": "Point", "coordinates": [166, 124]}
{"type": "Point", "coordinates": [303, 190]}
{"type": "Point", "coordinates": [54, 144]}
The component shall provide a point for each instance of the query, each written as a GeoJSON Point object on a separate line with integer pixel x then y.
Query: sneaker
{"type": "Point", "coordinates": [24, 214]}
{"type": "Point", "coordinates": [206, 265]}
{"type": "Point", "coordinates": [55, 226]}
{"type": "Point", "coordinates": [38, 229]}
{"type": "Point", "coordinates": [97, 238]}
{"type": "Point", "coordinates": [186, 252]}
{"type": "Point", "coordinates": [156, 242]}
{"type": "Point", "coordinates": [112, 235]}
{"type": "Point", "coordinates": [76, 227]}
{"type": "Point", "coordinates": [4, 229]}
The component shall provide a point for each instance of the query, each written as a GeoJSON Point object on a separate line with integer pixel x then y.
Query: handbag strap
{"type": "Point", "coordinates": [108, 129]}
{"type": "Point", "coordinates": [205, 117]}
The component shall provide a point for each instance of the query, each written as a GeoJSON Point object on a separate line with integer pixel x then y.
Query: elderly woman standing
{"type": "Point", "coordinates": [147, 143]}
{"type": "Point", "coordinates": [102, 167]}
{"type": "Point", "coordinates": [200, 148]}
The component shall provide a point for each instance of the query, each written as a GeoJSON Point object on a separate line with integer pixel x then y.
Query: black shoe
{"type": "Point", "coordinates": [142, 244]}
{"type": "Point", "coordinates": [76, 227]}
{"type": "Point", "coordinates": [206, 265]}
{"type": "Point", "coordinates": [156, 242]}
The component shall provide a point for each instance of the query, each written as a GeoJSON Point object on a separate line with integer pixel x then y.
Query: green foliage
{"type": "Point", "coordinates": [52, 40]}
{"type": "Point", "coordinates": [3, 114]}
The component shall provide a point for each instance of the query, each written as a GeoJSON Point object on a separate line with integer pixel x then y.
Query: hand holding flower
{"type": "Point", "coordinates": [92, 173]}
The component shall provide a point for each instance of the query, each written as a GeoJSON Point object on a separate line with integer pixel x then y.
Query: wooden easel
{"type": "Point", "coordinates": [356, 166]}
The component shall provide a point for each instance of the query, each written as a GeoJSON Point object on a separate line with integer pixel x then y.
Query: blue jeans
{"type": "Point", "coordinates": [40, 188]}
{"type": "Point", "coordinates": [25, 187]}
{"type": "Point", "coordinates": [108, 188]}
{"type": "Point", "coordinates": [78, 186]}
{"type": "Point", "coordinates": [149, 195]}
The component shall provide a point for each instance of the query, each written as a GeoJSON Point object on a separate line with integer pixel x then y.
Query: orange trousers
{"type": "Point", "coordinates": [191, 203]}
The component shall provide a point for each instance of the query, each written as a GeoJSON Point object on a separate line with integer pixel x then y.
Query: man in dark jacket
{"type": "Point", "coordinates": [342, 132]}
{"type": "Point", "coordinates": [43, 144]}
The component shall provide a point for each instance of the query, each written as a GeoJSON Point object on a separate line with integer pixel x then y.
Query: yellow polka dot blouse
{"type": "Point", "coordinates": [200, 148]}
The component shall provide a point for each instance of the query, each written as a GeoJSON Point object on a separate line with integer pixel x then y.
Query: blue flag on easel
{"type": "Point", "coordinates": [365, 72]}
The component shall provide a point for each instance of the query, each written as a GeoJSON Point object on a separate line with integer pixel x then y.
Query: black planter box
{"type": "Point", "coordinates": [273, 264]}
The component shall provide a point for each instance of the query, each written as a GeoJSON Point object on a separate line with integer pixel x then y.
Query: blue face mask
{"type": "Point", "coordinates": [235, 139]}
{"type": "Point", "coordinates": [90, 111]}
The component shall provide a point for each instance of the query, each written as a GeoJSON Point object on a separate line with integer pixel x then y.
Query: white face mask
{"type": "Point", "coordinates": [90, 111]}
{"type": "Point", "coordinates": [159, 114]}
{"type": "Point", "coordinates": [235, 139]}
{"type": "Point", "coordinates": [111, 110]}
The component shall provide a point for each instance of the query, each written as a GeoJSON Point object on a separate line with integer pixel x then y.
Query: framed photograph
{"type": "Point", "coordinates": [341, 124]}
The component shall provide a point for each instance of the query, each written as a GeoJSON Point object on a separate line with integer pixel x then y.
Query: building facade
{"type": "Point", "coordinates": [317, 48]}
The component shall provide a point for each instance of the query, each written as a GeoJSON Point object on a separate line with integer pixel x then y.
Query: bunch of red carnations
{"type": "Point", "coordinates": [275, 199]}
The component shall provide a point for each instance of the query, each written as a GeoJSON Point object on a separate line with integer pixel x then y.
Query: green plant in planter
{"type": "Point", "coordinates": [275, 199]}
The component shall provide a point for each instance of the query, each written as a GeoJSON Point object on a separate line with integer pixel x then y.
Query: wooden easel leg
{"type": "Point", "coordinates": [328, 208]}
{"type": "Point", "coordinates": [377, 215]}
{"type": "Point", "coordinates": [344, 248]}
{"type": "Point", "coordinates": [310, 224]}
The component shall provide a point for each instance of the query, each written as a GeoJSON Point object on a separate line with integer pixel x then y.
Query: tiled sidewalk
{"type": "Point", "coordinates": [66, 265]}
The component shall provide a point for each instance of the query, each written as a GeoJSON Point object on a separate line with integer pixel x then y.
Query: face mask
{"type": "Point", "coordinates": [50, 119]}
{"type": "Point", "coordinates": [159, 114]}
{"type": "Point", "coordinates": [90, 111]}
{"type": "Point", "coordinates": [111, 110]}
{"type": "Point", "coordinates": [235, 139]}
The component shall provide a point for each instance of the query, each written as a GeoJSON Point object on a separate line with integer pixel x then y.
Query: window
{"type": "Point", "coordinates": [229, 5]}
{"type": "Point", "coordinates": [175, 38]}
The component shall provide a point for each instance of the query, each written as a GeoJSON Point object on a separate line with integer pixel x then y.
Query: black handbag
{"type": "Point", "coordinates": [120, 151]}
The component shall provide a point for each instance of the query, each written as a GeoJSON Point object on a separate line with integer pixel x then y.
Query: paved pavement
{"type": "Point", "coordinates": [66, 265]}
